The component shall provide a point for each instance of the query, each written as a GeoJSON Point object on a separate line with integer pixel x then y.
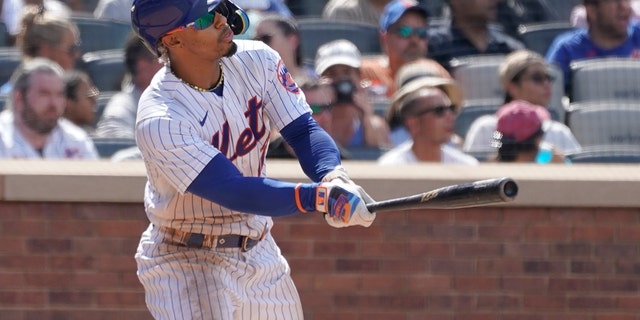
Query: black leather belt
{"type": "Point", "coordinates": [199, 240]}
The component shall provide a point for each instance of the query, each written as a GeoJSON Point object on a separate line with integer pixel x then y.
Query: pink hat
{"type": "Point", "coordinates": [520, 120]}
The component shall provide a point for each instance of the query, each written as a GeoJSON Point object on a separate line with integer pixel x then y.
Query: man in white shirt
{"type": "Point", "coordinates": [33, 126]}
{"type": "Point", "coordinates": [426, 108]}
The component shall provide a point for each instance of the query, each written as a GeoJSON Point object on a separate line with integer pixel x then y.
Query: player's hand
{"type": "Point", "coordinates": [342, 204]}
{"type": "Point", "coordinates": [339, 174]}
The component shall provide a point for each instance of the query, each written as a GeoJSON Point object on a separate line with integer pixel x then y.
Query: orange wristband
{"type": "Point", "coordinates": [297, 196]}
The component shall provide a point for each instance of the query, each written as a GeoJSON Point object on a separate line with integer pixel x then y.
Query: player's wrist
{"type": "Point", "coordinates": [305, 197]}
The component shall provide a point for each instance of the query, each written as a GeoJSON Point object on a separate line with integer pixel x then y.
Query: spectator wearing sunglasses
{"type": "Point", "coordinates": [81, 97]}
{"type": "Point", "coordinates": [519, 135]}
{"type": "Point", "coordinates": [403, 38]}
{"type": "Point", "coordinates": [354, 122]}
{"type": "Point", "coordinates": [470, 32]}
{"type": "Point", "coordinates": [427, 106]}
{"type": "Point", "coordinates": [418, 69]}
{"type": "Point", "coordinates": [281, 34]}
{"type": "Point", "coordinates": [524, 76]}
{"type": "Point", "coordinates": [47, 35]}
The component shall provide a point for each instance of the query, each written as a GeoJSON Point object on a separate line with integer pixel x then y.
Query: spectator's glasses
{"type": "Point", "coordinates": [93, 92]}
{"type": "Point", "coordinates": [406, 32]}
{"type": "Point", "coordinates": [540, 78]}
{"type": "Point", "coordinates": [206, 20]}
{"type": "Point", "coordinates": [319, 108]}
{"type": "Point", "coordinates": [266, 38]}
{"type": "Point", "coordinates": [438, 111]}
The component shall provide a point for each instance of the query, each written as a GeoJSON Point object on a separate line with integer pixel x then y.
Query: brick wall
{"type": "Point", "coordinates": [75, 261]}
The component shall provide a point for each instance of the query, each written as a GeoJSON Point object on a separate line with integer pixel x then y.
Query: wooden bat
{"type": "Point", "coordinates": [474, 194]}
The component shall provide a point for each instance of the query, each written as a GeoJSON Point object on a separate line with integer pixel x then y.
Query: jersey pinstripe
{"type": "Point", "coordinates": [179, 130]}
{"type": "Point", "coordinates": [66, 141]}
{"type": "Point", "coordinates": [184, 283]}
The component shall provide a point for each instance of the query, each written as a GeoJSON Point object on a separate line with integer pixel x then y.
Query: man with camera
{"type": "Point", "coordinates": [354, 123]}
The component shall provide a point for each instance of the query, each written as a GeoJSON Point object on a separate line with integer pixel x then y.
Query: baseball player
{"type": "Point", "coordinates": [203, 130]}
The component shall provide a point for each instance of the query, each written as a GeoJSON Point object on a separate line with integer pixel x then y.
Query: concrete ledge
{"type": "Point", "coordinates": [540, 186]}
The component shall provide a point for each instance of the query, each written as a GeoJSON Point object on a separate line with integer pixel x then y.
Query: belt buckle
{"type": "Point", "coordinates": [247, 243]}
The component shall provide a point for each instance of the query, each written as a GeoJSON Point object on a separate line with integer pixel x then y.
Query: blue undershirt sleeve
{"type": "Point", "coordinates": [317, 153]}
{"type": "Point", "coordinates": [221, 182]}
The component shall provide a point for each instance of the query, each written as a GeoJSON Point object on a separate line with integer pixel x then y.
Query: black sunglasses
{"type": "Point", "coordinates": [439, 111]}
{"type": "Point", "coordinates": [540, 78]}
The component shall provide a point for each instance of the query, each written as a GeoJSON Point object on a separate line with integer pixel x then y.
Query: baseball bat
{"type": "Point", "coordinates": [474, 194]}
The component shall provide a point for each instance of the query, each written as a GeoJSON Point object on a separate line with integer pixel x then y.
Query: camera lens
{"type": "Point", "coordinates": [344, 90]}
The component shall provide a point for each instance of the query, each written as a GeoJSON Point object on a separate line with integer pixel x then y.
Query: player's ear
{"type": "Point", "coordinates": [170, 41]}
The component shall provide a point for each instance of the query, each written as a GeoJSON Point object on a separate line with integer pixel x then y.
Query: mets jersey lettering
{"type": "Point", "coordinates": [248, 138]}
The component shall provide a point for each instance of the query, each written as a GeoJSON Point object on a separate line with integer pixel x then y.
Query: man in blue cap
{"type": "Point", "coordinates": [202, 128]}
{"type": "Point", "coordinates": [403, 38]}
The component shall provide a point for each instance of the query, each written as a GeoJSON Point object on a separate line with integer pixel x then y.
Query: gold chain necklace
{"type": "Point", "coordinates": [202, 89]}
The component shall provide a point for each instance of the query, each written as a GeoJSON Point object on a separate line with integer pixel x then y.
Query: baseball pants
{"type": "Point", "coordinates": [216, 284]}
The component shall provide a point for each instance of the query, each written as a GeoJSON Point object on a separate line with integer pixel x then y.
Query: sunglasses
{"type": "Point", "coordinates": [206, 20]}
{"type": "Point", "coordinates": [93, 92]}
{"type": "Point", "coordinates": [406, 32]}
{"type": "Point", "coordinates": [319, 108]}
{"type": "Point", "coordinates": [266, 38]}
{"type": "Point", "coordinates": [540, 78]}
{"type": "Point", "coordinates": [439, 111]}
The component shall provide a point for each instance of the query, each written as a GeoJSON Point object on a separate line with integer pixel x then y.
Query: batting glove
{"type": "Point", "coordinates": [339, 174]}
{"type": "Point", "coordinates": [342, 204]}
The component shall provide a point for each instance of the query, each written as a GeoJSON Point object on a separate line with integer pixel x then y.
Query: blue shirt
{"type": "Point", "coordinates": [448, 42]}
{"type": "Point", "coordinates": [576, 45]}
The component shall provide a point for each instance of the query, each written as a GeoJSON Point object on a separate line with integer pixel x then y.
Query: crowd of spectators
{"type": "Point", "coordinates": [411, 81]}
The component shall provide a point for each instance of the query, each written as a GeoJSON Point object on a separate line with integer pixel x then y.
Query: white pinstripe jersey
{"type": "Point", "coordinates": [180, 129]}
{"type": "Point", "coordinates": [66, 141]}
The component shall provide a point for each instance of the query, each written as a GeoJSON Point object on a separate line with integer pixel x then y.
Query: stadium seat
{"type": "Point", "coordinates": [472, 111]}
{"type": "Point", "coordinates": [10, 58]}
{"type": "Point", "coordinates": [3, 101]}
{"type": "Point", "coordinates": [478, 79]}
{"type": "Point", "coordinates": [315, 32]}
{"type": "Point", "coordinates": [108, 146]}
{"type": "Point", "coordinates": [605, 79]}
{"type": "Point", "coordinates": [561, 8]}
{"type": "Point", "coordinates": [606, 154]}
{"type": "Point", "coordinates": [363, 153]}
{"type": "Point", "coordinates": [605, 123]}
{"type": "Point", "coordinates": [106, 68]}
{"type": "Point", "coordinates": [539, 36]}
{"type": "Point", "coordinates": [103, 99]}
{"type": "Point", "coordinates": [436, 8]}
{"type": "Point", "coordinates": [478, 76]}
{"type": "Point", "coordinates": [98, 34]}
{"type": "Point", "coordinates": [4, 35]}
{"type": "Point", "coordinates": [306, 8]}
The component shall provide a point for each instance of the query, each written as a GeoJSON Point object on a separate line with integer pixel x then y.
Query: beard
{"type": "Point", "coordinates": [232, 50]}
{"type": "Point", "coordinates": [34, 122]}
